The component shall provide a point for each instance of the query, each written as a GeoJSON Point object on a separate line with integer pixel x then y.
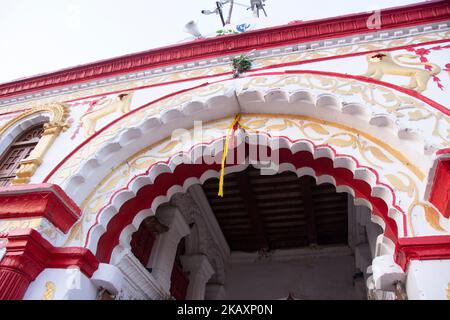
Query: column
{"type": "Point", "coordinates": [163, 253]}
{"type": "Point", "coordinates": [200, 271]}
{"type": "Point", "coordinates": [27, 254]}
{"type": "Point", "coordinates": [62, 284]}
{"type": "Point", "coordinates": [21, 263]}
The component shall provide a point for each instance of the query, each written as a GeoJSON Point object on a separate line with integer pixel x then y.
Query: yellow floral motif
{"type": "Point", "coordinates": [432, 216]}
{"type": "Point", "coordinates": [169, 147]}
{"type": "Point", "coordinates": [50, 289]}
{"type": "Point", "coordinates": [448, 291]}
{"type": "Point", "coordinates": [398, 184]}
{"type": "Point", "coordinates": [8, 225]}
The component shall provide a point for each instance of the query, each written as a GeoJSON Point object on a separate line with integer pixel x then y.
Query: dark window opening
{"type": "Point", "coordinates": [17, 151]}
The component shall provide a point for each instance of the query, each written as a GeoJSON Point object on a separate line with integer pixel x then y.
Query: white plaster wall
{"type": "Point", "coordinates": [310, 277]}
{"type": "Point", "coordinates": [428, 280]}
{"type": "Point", "coordinates": [69, 284]}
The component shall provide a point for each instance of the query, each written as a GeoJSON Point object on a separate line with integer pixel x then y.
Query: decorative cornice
{"type": "Point", "coordinates": [224, 60]}
{"type": "Point", "coordinates": [29, 243]}
{"type": "Point", "coordinates": [422, 248]}
{"type": "Point", "coordinates": [399, 17]}
{"type": "Point", "coordinates": [39, 200]}
{"type": "Point", "coordinates": [28, 254]}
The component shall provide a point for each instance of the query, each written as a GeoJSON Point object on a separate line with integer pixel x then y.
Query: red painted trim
{"type": "Point", "coordinates": [30, 241]}
{"type": "Point", "coordinates": [443, 151]}
{"type": "Point", "coordinates": [28, 253]}
{"type": "Point", "coordinates": [39, 200]}
{"type": "Point", "coordinates": [422, 248]}
{"type": "Point", "coordinates": [70, 257]}
{"type": "Point", "coordinates": [145, 196]}
{"type": "Point", "coordinates": [399, 17]}
{"type": "Point", "coordinates": [440, 190]}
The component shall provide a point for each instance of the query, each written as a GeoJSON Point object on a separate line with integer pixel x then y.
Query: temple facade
{"type": "Point", "coordinates": [304, 161]}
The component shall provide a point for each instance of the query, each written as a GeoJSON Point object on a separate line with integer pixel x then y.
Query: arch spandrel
{"type": "Point", "coordinates": [380, 111]}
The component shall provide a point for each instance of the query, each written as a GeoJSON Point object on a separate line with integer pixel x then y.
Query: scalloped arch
{"type": "Point", "coordinates": [144, 193]}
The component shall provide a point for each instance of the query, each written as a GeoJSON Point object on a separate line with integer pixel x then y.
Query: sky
{"type": "Point", "coordinates": [47, 35]}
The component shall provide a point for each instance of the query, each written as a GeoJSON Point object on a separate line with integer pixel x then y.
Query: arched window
{"type": "Point", "coordinates": [18, 150]}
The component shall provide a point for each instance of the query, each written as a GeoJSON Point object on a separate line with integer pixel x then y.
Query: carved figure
{"type": "Point", "coordinates": [383, 63]}
{"type": "Point", "coordinates": [120, 104]}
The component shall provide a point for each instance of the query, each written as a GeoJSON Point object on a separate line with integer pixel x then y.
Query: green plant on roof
{"type": "Point", "coordinates": [241, 64]}
{"type": "Point", "coordinates": [222, 32]}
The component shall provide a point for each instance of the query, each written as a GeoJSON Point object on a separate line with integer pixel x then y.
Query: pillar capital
{"type": "Point", "coordinates": [28, 253]}
{"type": "Point", "coordinates": [200, 270]}
{"type": "Point", "coordinates": [23, 260]}
{"type": "Point", "coordinates": [39, 200]}
{"type": "Point", "coordinates": [422, 248]}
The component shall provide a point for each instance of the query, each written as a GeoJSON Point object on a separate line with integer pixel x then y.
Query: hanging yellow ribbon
{"type": "Point", "coordinates": [230, 132]}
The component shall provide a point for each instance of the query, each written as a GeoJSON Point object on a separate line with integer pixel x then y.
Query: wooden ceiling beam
{"type": "Point", "coordinates": [306, 185]}
{"type": "Point", "coordinates": [251, 205]}
{"type": "Point", "coordinates": [277, 203]}
{"type": "Point", "coordinates": [275, 218]}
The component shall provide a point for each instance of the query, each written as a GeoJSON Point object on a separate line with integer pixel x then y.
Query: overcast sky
{"type": "Point", "coordinates": [47, 35]}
